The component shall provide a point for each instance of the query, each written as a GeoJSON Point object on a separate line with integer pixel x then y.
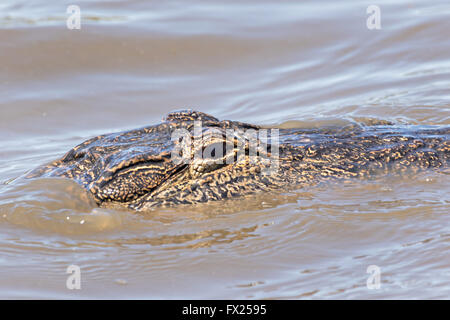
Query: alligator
{"type": "Point", "coordinates": [151, 166]}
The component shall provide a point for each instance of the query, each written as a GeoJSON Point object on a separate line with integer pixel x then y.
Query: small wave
{"type": "Point", "coordinates": [11, 21]}
{"type": "Point", "coordinates": [55, 205]}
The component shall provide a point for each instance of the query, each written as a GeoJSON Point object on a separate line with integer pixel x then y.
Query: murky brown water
{"type": "Point", "coordinates": [265, 63]}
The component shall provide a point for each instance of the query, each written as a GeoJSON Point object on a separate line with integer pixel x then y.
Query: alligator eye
{"type": "Point", "coordinates": [217, 150]}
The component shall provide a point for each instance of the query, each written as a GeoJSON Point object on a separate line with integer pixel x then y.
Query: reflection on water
{"type": "Point", "coordinates": [292, 63]}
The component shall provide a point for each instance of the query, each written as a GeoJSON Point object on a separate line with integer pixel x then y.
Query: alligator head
{"type": "Point", "coordinates": [190, 157]}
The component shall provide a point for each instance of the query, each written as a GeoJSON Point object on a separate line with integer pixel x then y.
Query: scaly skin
{"type": "Point", "coordinates": [134, 169]}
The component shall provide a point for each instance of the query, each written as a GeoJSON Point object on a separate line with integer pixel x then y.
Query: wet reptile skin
{"type": "Point", "coordinates": [134, 169]}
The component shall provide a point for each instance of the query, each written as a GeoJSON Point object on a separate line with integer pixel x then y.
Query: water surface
{"type": "Point", "coordinates": [265, 63]}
